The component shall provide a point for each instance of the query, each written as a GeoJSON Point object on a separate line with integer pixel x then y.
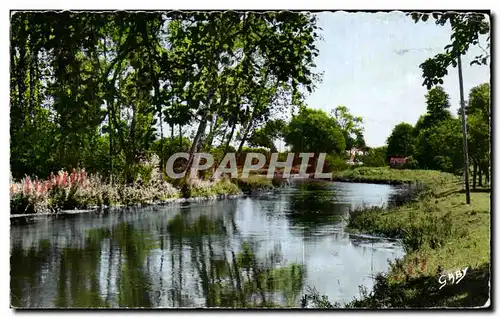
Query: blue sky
{"type": "Point", "coordinates": [362, 70]}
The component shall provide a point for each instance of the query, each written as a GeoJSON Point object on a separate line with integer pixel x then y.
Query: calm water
{"type": "Point", "coordinates": [252, 251]}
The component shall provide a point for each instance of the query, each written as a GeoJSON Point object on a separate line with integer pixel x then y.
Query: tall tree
{"type": "Point", "coordinates": [479, 129]}
{"type": "Point", "coordinates": [351, 126]}
{"type": "Point", "coordinates": [438, 103]}
{"type": "Point", "coordinates": [440, 147]}
{"type": "Point", "coordinates": [401, 141]}
{"type": "Point", "coordinates": [314, 131]}
{"type": "Point", "coordinates": [467, 29]}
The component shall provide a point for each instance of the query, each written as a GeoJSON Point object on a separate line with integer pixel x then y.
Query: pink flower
{"type": "Point", "coordinates": [64, 178]}
{"type": "Point", "coordinates": [27, 184]}
{"type": "Point", "coordinates": [73, 177]}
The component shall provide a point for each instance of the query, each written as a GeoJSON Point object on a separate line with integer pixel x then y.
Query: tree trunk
{"type": "Point", "coordinates": [20, 85]}
{"type": "Point", "coordinates": [230, 137]}
{"type": "Point", "coordinates": [211, 133]}
{"type": "Point", "coordinates": [224, 135]}
{"type": "Point", "coordinates": [480, 177]}
{"type": "Point", "coordinates": [245, 134]}
{"type": "Point", "coordinates": [474, 176]}
{"type": "Point", "coordinates": [201, 130]}
{"type": "Point", "coordinates": [32, 83]}
{"type": "Point", "coordinates": [180, 137]}
{"type": "Point", "coordinates": [487, 175]}
{"type": "Point", "coordinates": [161, 143]}
{"type": "Point", "coordinates": [196, 141]}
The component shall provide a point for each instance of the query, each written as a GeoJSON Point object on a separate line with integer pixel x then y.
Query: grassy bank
{"type": "Point", "coordinates": [440, 234]}
{"type": "Point", "coordinates": [434, 180]}
{"type": "Point", "coordinates": [76, 190]}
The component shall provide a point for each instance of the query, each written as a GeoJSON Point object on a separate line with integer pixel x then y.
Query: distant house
{"type": "Point", "coordinates": [397, 162]}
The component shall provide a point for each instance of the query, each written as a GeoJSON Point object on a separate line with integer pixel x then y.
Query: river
{"type": "Point", "coordinates": [265, 250]}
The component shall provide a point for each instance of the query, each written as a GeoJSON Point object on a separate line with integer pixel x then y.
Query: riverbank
{"type": "Point", "coordinates": [433, 180]}
{"type": "Point", "coordinates": [76, 193]}
{"type": "Point", "coordinates": [441, 235]}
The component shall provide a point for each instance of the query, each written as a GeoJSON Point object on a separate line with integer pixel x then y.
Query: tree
{"type": "Point", "coordinates": [266, 136]}
{"type": "Point", "coordinates": [88, 84]}
{"type": "Point", "coordinates": [467, 29]}
{"type": "Point", "coordinates": [314, 131]}
{"type": "Point", "coordinates": [438, 103]}
{"type": "Point", "coordinates": [351, 127]}
{"type": "Point", "coordinates": [226, 52]}
{"type": "Point", "coordinates": [479, 130]}
{"type": "Point", "coordinates": [375, 157]}
{"type": "Point", "coordinates": [440, 147]}
{"type": "Point", "coordinates": [401, 141]}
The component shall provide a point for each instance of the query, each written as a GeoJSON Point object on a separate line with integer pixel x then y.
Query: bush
{"type": "Point", "coordinates": [375, 157]}
{"type": "Point", "coordinates": [254, 183]}
{"type": "Point", "coordinates": [334, 162]}
{"type": "Point", "coordinates": [411, 164]}
{"type": "Point", "coordinates": [21, 204]}
{"type": "Point", "coordinates": [69, 191]}
{"type": "Point", "coordinates": [204, 188]}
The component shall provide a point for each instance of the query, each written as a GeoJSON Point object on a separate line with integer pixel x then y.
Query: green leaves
{"type": "Point", "coordinates": [401, 141]}
{"type": "Point", "coordinates": [314, 131]}
{"type": "Point", "coordinates": [466, 31]}
{"type": "Point", "coordinates": [132, 72]}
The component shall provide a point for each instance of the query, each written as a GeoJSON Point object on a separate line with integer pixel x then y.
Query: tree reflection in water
{"type": "Point", "coordinates": [236, 279]}
{"type": "Point", "coordinates": [127, 266]}
{"type": "Point", "coordinates": [312, 205]}
{"type": "Point", "coordinates": [78, 279]}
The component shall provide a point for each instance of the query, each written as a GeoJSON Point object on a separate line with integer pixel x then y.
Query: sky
{"type": "Point", "coordinates": [363, 70]}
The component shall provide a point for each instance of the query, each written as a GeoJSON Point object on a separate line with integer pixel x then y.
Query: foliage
{"type": "Point", "coordinates": [265, 137]}
{"type": "Point", "coordinates": [436, 140]}
{"type": "Point", "coordinates": [96, 89]}
{"type": "Point", "coordinates": [314, 131]}
{"type": "Point", "coordinates": [204, 188]}
{"type": "Point", "coordinates": [254, 183]}
{"type": "Point", "coordinates": [440, 147]}
{"type": "Point", "coordinates": [467, 29]}
{"type": "Point", "coordinates": [438, 103]}
{"type": "Point", "coordinates": [375, 157]}
{"type": "Point", "coordinates": [77, 190]}
{"type": "Point", "coordinates": [441, 232]}
{"type": "Point", "coordinates": [351, 127]}
{"type": "Point", "coordinates": [401, 141]}
{"type": "Point", "coordinates": [479, 130]}
{"type": "Point", "coordinates": [334, 162]}
{"type": "Point", "coordinates": [411, 164]}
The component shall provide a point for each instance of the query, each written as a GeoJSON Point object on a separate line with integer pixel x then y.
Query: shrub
{"type": "Point", "coordinates": [334, 162]}
{"type": "Point", "coordinates": [204, 188]}
{"type": "Point", "coordinates": [69, 191]}
{"type": "Point", "coordinates": [412, 163]}
{"type": "Point", "coordinates": [253, 183]}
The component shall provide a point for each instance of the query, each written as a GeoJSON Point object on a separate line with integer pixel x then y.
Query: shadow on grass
{"type": "Point", "coordinates": [477, 190]}
{"type": "Point", "coordinates": [423, 291]}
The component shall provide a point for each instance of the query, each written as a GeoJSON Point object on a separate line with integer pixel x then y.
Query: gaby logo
{"type": "Point", "coordinates": [228, 165]}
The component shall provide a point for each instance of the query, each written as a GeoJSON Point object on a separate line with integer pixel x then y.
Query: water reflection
{"type": "Point", "coordinates": [250, 252]}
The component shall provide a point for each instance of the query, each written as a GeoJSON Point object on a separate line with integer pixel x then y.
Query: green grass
{"type": "Point", "coordinates": [439, 230]}
{"type": "Point", "coordinates": [431, 178]}
{"type": "Point", "coordinates": [206, 189]}
{"type": "Point", "coordinates": [254, 183]}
